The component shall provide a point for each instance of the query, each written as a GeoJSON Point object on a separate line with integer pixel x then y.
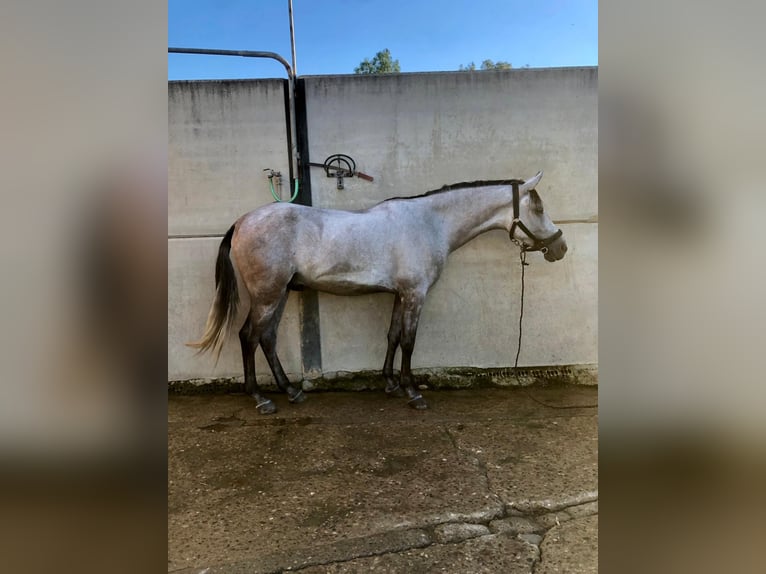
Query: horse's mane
{"type": "Point", "coordinates": [463, 185]}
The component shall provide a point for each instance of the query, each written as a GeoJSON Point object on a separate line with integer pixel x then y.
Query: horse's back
{"type": "Point", "coordinates": [341, 252]}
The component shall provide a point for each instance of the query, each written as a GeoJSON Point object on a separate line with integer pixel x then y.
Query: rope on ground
{"type": "Point", "coordinates": [523, 259]}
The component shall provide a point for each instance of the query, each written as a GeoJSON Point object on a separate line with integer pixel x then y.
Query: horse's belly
{"type": "Point", "coordinates": [347, 263]}
{"type": "Point", "coordinates": [345, 283]}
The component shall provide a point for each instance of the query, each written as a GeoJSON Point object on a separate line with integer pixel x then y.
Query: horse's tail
{"type": "Point", "coordinates": [224, 308]}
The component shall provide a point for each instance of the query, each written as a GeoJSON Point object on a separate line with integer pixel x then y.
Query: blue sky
{"type": "Point", "coordinates": [334, 36]}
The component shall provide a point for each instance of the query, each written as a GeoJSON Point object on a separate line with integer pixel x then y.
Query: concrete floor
{"type": "Point", "coordinates": [486, 480]}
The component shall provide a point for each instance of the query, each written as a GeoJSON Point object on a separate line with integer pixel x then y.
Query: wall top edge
{"type": "Point", "coordinates": [228, 81]}
{"type": "Point", "coordinates": [363, 77]}
{"type": "Point", "coordinates": [466, 72]}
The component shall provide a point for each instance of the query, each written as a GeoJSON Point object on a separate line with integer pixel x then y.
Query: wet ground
{"type": "Point", "coordinates": [486, 480]}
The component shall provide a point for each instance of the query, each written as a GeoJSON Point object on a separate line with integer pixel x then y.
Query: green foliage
{"type": "Point", "coordinates": [486, 65]}
{"type": "Point", "coordinates": [490, 65]}
{"type": "Point", "coordinates": [381, 63]}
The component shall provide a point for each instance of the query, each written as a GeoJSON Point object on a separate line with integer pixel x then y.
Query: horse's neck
{"type": "Point", "coordinates": [468, 212]}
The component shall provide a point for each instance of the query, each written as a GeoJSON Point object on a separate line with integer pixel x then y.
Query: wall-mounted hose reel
{"type": "Point", "coordinates": [340, 166]}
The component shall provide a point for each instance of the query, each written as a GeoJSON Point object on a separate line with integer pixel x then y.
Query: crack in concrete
{"type": "Point", "coordinates": [363, 555]}
{"type": "Point", "coordinates": [431, 543]}
{"type": "Point", "coordinates": [429, 531]}
{"type": "Point", "coordinates": [539, 559]}
{"type": "Point", "coordinates": [424, 537]}
{"type": "Point", "coordinates": [546, 506]}
{"type": "Point", "coordinates": [587, 509]}
{"type": "Point", "coordinates": [399, 541]}
{"type": "Point", "coordinates": [479, 462]}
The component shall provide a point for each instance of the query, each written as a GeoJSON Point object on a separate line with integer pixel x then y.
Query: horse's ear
{"type": "Point", "coordinates": [532, 182]}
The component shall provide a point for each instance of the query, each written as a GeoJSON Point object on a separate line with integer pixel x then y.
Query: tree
{"type": "Point", "coordinates": [486, 65]}
{"type": "Point", "coordinates": [381, 63]}
{"type": "Point", "coordinates": [490, 65]}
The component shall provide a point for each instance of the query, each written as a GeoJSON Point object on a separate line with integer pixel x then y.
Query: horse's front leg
{"type": "Point", "coordinates": [393, 388]}
{"type": "Point", "coordinates": [411, 306]}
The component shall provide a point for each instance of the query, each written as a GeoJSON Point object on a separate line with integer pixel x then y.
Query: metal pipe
{"type": "Point", "coordinates": [292, 34]}
{"type": "Point", "coordinates": [290, 79]}
{"type": "Point", "coordinates": [243, 53]}
{"type": "Point", "coordinates": [294, 153]}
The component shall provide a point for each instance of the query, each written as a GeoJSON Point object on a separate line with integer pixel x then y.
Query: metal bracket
{"type": "Point", "coordinates": [340, 166]}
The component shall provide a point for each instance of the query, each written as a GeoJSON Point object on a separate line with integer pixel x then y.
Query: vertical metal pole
{"type": "Point", "coordinates": [293, 132]}
{"type": "Point", "coordinates": [311, 344]}
{"type": "Point", "coordinates": [293, 135]}
{"type": "Point", "coordinates": [292, 35]}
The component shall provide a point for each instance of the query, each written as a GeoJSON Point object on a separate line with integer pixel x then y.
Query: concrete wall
{"type": "Point", "coordinates": [417, 132]}
{"type": "Point", "coordinates": [222, 134]}
{"type": "Point", "coordinates": [413, 133]}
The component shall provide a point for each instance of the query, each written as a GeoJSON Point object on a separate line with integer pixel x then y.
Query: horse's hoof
{"type": "Point", "coordinates": [418, 403]}
{"type": "Point", "coordinates": [298, 397]}
{"type": "Point", "coordinates": [266, 407]}
{"type": "Point", "coordinates": [396, 391]}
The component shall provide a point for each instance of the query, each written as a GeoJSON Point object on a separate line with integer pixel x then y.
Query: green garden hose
{"type": "Point", "coordinates": [276, 197]}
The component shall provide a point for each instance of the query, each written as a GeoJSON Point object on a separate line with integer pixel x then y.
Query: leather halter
{"type": "Point", "coordinates": [537, 243]}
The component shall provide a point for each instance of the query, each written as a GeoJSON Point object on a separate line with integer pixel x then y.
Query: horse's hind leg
{"type": "Point", "coordinates": [269, 346]}
{"type": "Point", "coordinates": [249, 341]}
{"type": "Point", "coordinates": [393, 388]}
{"type": "Point", "coordinates": [411, 306]}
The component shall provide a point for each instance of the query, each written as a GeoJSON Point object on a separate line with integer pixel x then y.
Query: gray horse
{"type": "Point", "coordinates": [399, 246]}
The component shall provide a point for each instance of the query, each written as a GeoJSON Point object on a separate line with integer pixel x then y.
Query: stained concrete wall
{"type": "Point", "coordinates": [417, 132]}
{"type": "Point", "coordinates": [221, 135]}
{"type": "Point", "coordinates": [413, 133]}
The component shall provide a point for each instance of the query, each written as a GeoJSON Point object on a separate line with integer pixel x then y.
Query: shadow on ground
{"type": "Point", "coordinates": [486, 480]}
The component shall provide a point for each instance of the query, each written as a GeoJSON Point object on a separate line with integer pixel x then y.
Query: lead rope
{"type": "Point", "coordinates": [523, 260]}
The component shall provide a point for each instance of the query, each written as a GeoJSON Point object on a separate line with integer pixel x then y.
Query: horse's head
{"type": "Point", "coordinates": [530, 227]}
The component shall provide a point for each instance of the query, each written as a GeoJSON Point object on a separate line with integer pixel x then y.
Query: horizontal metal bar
{"type": "Point", "coordinates": [242, 53]}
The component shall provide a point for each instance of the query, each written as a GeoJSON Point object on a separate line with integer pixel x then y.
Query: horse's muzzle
{"type": "Point", "coordinates": [556, 250]}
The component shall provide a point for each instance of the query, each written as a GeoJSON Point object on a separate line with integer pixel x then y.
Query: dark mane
{"type": "Point", "coordinates": [463, 185]}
